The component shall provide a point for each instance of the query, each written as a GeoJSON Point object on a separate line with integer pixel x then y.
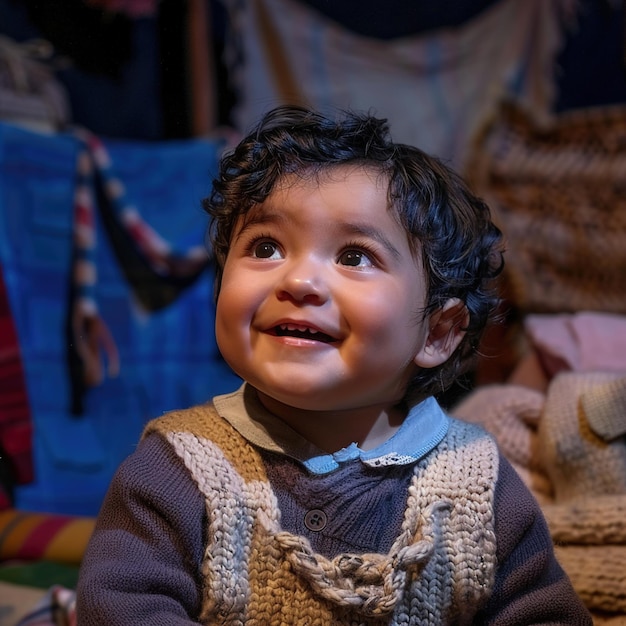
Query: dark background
{"type": "Point", "coordinates": [130, 78]}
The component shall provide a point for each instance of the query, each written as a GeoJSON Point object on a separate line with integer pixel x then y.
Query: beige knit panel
{"type": "Point", "coordinates": [455, 484]}
{"type": "Point", "coordinates": [258, 575]}
{"type": "Point", "coordinates": [204, 422]}
{"type": "Point", "coordinates": [241, 515]}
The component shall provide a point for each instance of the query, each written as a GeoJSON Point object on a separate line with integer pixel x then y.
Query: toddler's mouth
{"type": "Point", "coordinates": [302, 332]}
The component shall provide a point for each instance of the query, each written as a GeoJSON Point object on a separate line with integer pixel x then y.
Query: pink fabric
{"type": "Point", "coordinates": [581, 342]}
{"type": "Point", "coordinates": [16, 426]}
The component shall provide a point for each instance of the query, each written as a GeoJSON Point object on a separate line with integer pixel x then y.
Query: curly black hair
{"type": "Point", "coordinates": [447, 225]}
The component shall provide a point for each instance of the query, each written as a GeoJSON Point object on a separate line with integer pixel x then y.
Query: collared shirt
{"type": "Point", "coordinates": [424, 427]}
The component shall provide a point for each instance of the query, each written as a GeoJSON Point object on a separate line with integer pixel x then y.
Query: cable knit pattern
{"type": "Point", "coordinates": [440, 568]}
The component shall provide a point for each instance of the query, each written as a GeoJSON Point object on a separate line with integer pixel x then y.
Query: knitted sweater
{"type": "Point", "coordinates": [444, 556]}
{"type": "Point", "coordinates": [156, 557]}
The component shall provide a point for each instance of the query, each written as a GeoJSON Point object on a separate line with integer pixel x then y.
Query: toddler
{"type": "Point", "coordinates": [354, 278]}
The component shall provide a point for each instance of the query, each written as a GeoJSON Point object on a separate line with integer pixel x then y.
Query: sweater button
{"type": "Point", "coordinates": [315, 520]}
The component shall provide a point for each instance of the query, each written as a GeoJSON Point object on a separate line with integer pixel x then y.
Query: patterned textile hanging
{"type": "Point", "coordinates": [156, 272]}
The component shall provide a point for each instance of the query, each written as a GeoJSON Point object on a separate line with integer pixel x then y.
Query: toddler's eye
{"type": "Point", "coordinates": [355, 258]}
{"type": "Point", "coordinates": [266, 250]}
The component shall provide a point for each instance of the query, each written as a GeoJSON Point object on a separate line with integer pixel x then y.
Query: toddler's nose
{"type": "Point", "coordinates": [303, 282]}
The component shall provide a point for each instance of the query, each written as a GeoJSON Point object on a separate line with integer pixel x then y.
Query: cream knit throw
{"type": "Point", "coordinates": [569, 447]}
{"type": "Point", "coordinates": [439, 570]}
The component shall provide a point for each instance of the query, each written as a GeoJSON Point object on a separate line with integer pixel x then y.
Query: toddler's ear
{"type": "Point", "coordinates": [447, 328]}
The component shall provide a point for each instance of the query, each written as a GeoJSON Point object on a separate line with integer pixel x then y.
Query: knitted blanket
{"type": "Point", "coordinates": [569, 446]}
{"type": "Point", "coordinates": [557, 192]}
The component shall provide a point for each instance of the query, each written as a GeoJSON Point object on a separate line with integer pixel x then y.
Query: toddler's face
{"type": "Point", "coordinates": [321, 299]}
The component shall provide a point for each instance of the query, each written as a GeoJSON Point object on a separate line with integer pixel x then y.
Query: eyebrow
{"type": "Point", "coordinates": [365, 230]}
{"type": "Point", "coordinates": [355, 229]}
{"type": "Point", "coordinates": [260, 217]}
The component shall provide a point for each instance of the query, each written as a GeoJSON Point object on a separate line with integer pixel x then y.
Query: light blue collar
{"type": "Point", "coordinates": [424, 427]}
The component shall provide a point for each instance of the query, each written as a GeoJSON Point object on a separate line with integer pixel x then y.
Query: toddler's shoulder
{"type": "Point", "coordinates": [461, 432]}
{"type": "Point", "coordinates": [201, 420]}
{"type": "Point", "coordinates": [204, 439]}
{"type": "Point", "coordinates": [466, 461]}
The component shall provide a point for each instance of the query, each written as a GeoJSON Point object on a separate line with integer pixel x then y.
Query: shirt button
{"type": "Point", "coordinates": [315, 520]}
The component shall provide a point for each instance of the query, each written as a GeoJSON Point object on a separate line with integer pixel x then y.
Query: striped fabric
{"type": "Point", "coordinates": [39, 536]}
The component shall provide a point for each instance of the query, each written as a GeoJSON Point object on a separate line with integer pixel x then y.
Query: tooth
{"type": "Point", "coordinates": [298, 327]}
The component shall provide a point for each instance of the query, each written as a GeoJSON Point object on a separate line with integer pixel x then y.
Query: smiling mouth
{"type": "Point", "coordinates": [302, 332]}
